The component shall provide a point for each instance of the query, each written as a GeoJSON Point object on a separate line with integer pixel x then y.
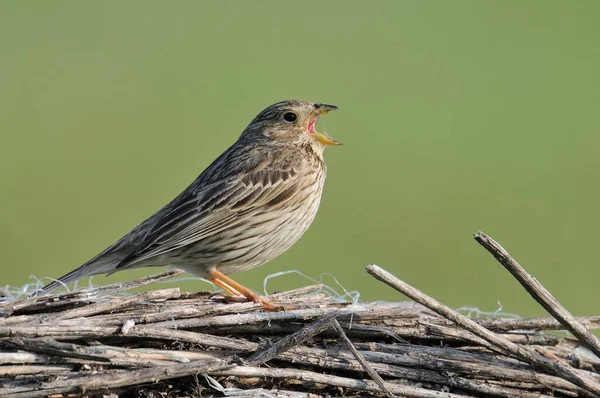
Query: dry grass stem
{"type": "Point", "coordinates": [101, 341]}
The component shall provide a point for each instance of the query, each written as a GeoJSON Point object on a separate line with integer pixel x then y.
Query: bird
{"type": "Point", "coordinates": [246, 208]}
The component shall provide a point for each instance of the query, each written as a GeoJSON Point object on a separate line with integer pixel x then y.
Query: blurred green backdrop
{"type": "Point", "coordinates": [456, 116]}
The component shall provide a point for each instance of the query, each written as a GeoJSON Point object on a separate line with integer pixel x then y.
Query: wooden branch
{"type": "Point", "coordinates": [292, 340]}
{"type": "Point", "coordinates": [540, 293]}
{"type": "Point", "coordinates": [314, 378]}
{"type": "Point", "coordinates": [102, 341]}
{"type": "Point", "coordinates": [103, 381]}
{"type": "Point", "coordinates": [118, 303]}
{"type": "Point", "coordinates": [505, 324]}
{"type": "Point", "coordinates": [500, 344]}
{"type": "Point", "coordinates": [51, 347]}
{"type": "Point", "coordinates": [376, 378]}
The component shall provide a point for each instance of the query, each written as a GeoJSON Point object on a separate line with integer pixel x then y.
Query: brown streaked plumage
{"type": "Point", "coordinates": [248, 207]}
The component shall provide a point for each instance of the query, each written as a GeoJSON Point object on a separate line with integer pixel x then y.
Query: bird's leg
{"type": "Point", "coordinates": [235, 296]}
{"type": "Point", "coordinates": [232, 287]}
{"type": "Point", "coordinates": [226, 287]}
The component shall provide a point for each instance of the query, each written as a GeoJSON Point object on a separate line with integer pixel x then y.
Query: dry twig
{"type": "Point", "coordinates": [592, 387]}
{"type": "Point", "coordinates": [100, 341]}
{"type": "Point", "coordinates": [540, 293]}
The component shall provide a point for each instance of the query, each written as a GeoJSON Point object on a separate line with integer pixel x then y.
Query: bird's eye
{"type": "Point", "coordinates": [290, 117]}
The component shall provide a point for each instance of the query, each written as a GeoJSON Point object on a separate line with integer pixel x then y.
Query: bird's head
{"type": "Point", "coordinates": [293, 122]}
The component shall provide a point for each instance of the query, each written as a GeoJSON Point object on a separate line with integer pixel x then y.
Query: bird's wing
{"type": "Point", "coordinates": [214, 208]}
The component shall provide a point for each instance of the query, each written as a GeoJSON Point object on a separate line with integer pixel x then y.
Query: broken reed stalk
{"type": "Point", "coordinates": [540, 294]}
{"type": "Point", "coordinates": [500, 344]}
{"type": "Point", "coordinates": [97, 341]}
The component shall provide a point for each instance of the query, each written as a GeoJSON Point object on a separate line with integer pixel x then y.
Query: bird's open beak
{"type": "Point", "coordinates": [323, 138]}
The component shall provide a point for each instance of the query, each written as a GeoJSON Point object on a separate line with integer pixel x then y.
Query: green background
{"type": "Point", "coordinates": [456, 116]}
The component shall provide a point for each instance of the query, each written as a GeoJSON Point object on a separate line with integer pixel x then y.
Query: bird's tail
{"type": "Point", "coordinates": [103, 263]}
{"type": "Point", "coordinates": [64, 280]}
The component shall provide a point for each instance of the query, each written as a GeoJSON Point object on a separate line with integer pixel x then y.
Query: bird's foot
{"type": "Point", "coordinates": [237, 291]}
{"type": "Point", "coordinates": [267, 304]}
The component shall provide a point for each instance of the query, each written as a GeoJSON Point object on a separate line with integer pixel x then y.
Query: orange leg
{"type": "Point", "coordinates": [234, 288]}
{"type": "Point", "coordinates": [225, 287]}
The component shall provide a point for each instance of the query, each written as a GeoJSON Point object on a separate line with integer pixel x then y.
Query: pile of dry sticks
{"type": "Point", "coordinates": [164, 343]}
